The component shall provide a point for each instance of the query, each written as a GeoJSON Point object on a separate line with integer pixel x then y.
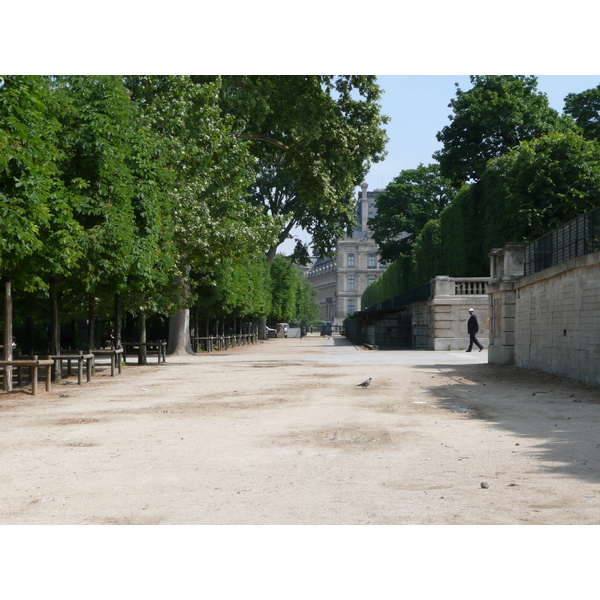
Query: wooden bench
{"type": "Point", "coordinates": [160, 346]}
{"type": "Point", "coordinates": [115, 358]}
{"type": "Point", "coordinates": [33, 365]}
{"type": "Point", "coordinates": [80, 358]}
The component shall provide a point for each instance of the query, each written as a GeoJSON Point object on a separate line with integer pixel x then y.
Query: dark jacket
{"type": "Point", "coordinates": [472, 325]}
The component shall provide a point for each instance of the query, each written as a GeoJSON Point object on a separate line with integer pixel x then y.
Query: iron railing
{"type": "Point", "coordinates": [575, 238]}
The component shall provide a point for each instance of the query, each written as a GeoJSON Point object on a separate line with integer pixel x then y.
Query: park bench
{"type": "Point", "coordinates": [160, 347]}
{"type": "Point", "coordinates": [33, 363]}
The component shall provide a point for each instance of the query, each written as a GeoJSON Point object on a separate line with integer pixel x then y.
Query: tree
{"type": "Point", "coordinates": [585, 110]}
{"type": "Point", "coordinates": [284, 285]}
{"type": "Point", "coordinates": [28, 180]}
{"type": "Point", "coordinates": [314, 138]}
{"type": "Point", "coordinates": [538, 186]}
{"type": "Point", "coordinates": [146, 287]}
{"type": "Point", "coordinates": [307, 307]}
{"type": "Point", "coordinates": [99, 130]}
{"type": "Point", "coordinates": [236, 286]}
{"type": "Point", "coordinates": [28, 171]}
{"type": "Point", "coordinates": [212, 170]}
{"type": "Point", "coordinates": [496, 114]}
{"type": "Point", "coordinates": [292, 296]}
{"type": "Point", "coordinates": [412, 199]}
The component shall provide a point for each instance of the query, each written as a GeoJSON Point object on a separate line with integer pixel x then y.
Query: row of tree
{"type": "Point", "coordinates": [511, 169]}
{"type": "Point", "coordinates": [155, 194]}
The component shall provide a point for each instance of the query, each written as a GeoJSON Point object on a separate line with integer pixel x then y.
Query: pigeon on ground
{"type": "Point", "coordinates": [365, 384]}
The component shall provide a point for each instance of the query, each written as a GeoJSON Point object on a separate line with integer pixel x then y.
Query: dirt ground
{"type": "Point", "coordinates": [278, 433]}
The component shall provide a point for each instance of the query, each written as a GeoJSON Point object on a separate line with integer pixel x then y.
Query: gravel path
{"type": "Point", "coordinates": [279, 434]}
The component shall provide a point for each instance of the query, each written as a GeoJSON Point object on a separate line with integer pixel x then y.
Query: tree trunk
{"type": "Point", "coordinates": [118, 319]}
{"type": "Point", "coordinates": [179, 324]}
{"type": "Point", "coordinates": [143, 355]}
{"type": "Point", "coordinates": [179, 333]}
{"type": "Point", "coordinates": [8, 349]}
{"type": "Point", "coordinates": [54, 319]}
{"type": "Point", "coordinates": [91, 320]}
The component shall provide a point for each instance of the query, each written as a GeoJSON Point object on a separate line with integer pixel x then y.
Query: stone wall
{"type": "Point", "coordinates": [449, 308]}
{"type": "Point", "coordinates": [557, 325]}
{"type": "Point", "coordinates": [548, 321]}
{"type": "Point", "coordinates": [420, 314]}
{"type": "Point", "coordinates": [439, 323]}
{"type": "Point", "coordinates": [506, 268]}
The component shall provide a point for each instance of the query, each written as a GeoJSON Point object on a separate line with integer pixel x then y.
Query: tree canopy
{"type": "Point", "coordinates": [138, 192]}
{"type": "Point", "coordinates": [520, 170]}
{"type": "Point", "coordinates": [314, 139]}
{"type": "Point", "coordinates": [292, 296]}
{"type": "Point", "coordinates": [585, 110]}
{"type": "Point", "coordinates": [538, 186]}
{"type": "Point", "coordinates": [29, 175]}
{"type": "Point", "coordinates": [412, 199]}
{"type": "Point", "coordinates": [496, 114]}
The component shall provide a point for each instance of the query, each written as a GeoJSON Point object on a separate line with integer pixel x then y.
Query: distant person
{"type": "Point", "coordinates": [473, 328]}
{"type": "Point", "coordinates": [13, 344]}
{"type": "Point", "coordinates": [110, 339]}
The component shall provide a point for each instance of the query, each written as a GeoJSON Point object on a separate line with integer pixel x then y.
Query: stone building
{"type": "Point", "coordinates": [340, 283]}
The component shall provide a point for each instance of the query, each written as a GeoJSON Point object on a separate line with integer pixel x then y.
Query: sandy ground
{"type": "Point", "coordinates": [278, 433]}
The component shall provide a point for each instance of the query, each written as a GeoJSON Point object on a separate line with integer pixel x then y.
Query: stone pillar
{"type": "Point", "coordinates": [442, 286]}
{"type": "Point", "coordinates": [364, 207]}
{"type": "Point", "coordinates": [506, 267]}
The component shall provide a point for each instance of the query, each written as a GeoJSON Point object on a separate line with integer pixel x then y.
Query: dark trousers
{"type": "Point", "coordinates": [474, 340]}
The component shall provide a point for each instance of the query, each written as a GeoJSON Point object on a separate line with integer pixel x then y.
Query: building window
{"type": "Point", "coordinates": [350, 307]}
{"type": "Point", "coordinates": [372, 278]}
{"type": "Point", "coordinates": [371, 264]}
{"type": "Point", "coordinates": [351, 260]}
{"type": "Point", "coordinates": [350, 283]}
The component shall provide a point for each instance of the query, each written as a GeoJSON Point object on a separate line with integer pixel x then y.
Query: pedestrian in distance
{"type": "Point", "coordinates": [473, 328]}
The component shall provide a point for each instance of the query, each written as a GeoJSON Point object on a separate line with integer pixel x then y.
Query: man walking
{"type": "Point", "coordinates": [473, 328]}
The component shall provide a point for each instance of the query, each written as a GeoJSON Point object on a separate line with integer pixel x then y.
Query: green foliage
{"type": "Point", "coordinates": [461, 236]}
{"type": "Point", "coordinates": [412, 199]}
{"type": "Point", "coordinates": [211, 169]}
{"type": "Point", "coordinates": [113, 186]}
{"type": "Point", "coordinates": [529, 171]}
{"type": "Point", "coordinates": [98, 128]}
{"type": "Point", "coordinates": [585, 110]}
{"type": "Point", "coordinates": [314, 138]}
{"type": "Point", "coordinates": [28, 173]}
{"type": "Point", "coordinates": [246, 287]}
{"type": "Point", "coordinates": [538, 186]}
{"type": "Point", "coordinates": [392, 282]}
{"type": "Point", "coordinates": [240, 287]}
{"type": "Point", "coordinates": [496, 114]}
{"type": "Point", "coordinates": [307, 308]}
{"type": "Point", "coordinates": [284, 290]}
{"type": "Point", "coordinates": [293, 299]}
{"type": "Point", "coordinates": [426, 256]}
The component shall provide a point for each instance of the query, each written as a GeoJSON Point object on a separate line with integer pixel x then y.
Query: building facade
{"type": "Point", "coordinates": [340, 283]}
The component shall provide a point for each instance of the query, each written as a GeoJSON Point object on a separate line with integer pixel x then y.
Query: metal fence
{"type": "Point", "coordinates": [575, 238]}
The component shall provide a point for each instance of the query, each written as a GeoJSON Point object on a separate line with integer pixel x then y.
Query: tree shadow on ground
{"type": "Point", "coordinates": [560, 414]}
